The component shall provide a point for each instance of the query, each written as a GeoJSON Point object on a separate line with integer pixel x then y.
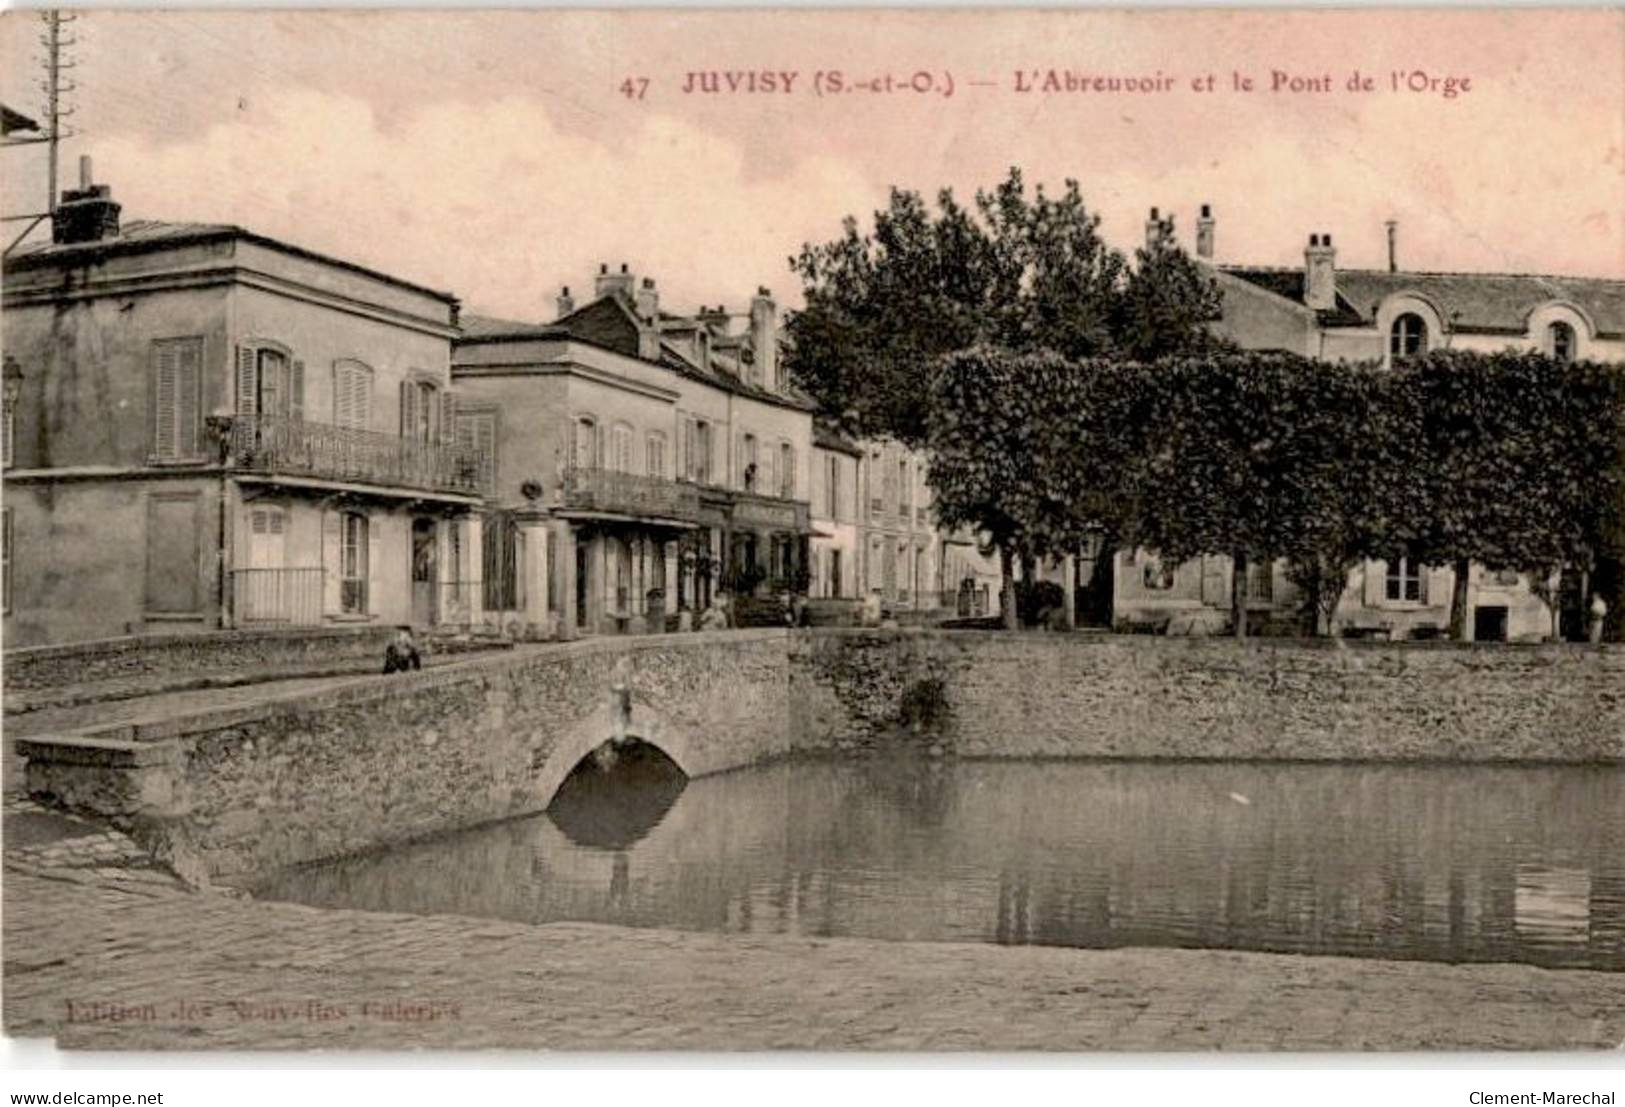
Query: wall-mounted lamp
{"type": "Point", "coordinates": [13, 380]}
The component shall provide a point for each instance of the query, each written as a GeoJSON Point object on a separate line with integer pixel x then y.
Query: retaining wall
{"type": "Point", "coordinates": [378, 760]}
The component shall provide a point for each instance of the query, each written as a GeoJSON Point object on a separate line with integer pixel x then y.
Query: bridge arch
{"type": "Point", "coordinates": [642, 720]}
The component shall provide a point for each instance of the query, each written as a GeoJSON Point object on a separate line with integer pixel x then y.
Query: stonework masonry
{"type": "Point", "coordinates": [369, 762]}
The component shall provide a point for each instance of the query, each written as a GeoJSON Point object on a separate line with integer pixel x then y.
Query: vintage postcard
{"type": "Point", "coordinates": [815, 530]}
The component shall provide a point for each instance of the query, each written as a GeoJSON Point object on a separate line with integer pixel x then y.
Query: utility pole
{"type": "Point", "coordinates": [56, 87]}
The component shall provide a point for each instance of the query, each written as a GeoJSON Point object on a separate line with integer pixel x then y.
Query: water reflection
{"type": "Point", "coordinates": [1440, 863]}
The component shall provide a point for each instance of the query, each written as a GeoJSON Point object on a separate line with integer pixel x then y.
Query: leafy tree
{"type": "Point", "coordinates": [999, 421]}
{"type": "Point", "coordinates": [1020, 270]}
{"type": "Point", "coordinates": [1515, 463]}
{"type": "Point", "coordinates": [1255, 457]}
{"type": "Point", "coordinates": [1165, 302]}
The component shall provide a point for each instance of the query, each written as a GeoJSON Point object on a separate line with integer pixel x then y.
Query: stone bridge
{"type": "Point", "coordinates": [377, 760]}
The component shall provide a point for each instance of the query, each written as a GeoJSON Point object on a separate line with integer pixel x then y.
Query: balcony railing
{"type": "Point", "coordinates": [295, 447]}
{"type": "Point", "coordinates": [629, 494]}
{"type": "Point", "coordinates": [277, 597]}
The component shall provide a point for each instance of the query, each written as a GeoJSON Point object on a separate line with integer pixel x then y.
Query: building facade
{"type": "Point", "coordinates": [1326, 313]}
{"type": "Point", "coordinates": [644, 461]}
{"type": "Point", "coordinates": [833, 563]}
{"type": "Point", "coordinates": [214, 429]}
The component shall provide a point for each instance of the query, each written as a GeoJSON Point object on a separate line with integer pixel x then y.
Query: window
{"type": "Point", "coordinates": [1560, 341]}
{"type": "Point", "coordinates": [1408, 337]}
{"type": "Point", "coordinates": [835, 573]}
{"type": "Point", "coordinates": [353, 563]}
{"type": "Point", "coordinates": [585, 451]}
{"type": "Point", "coordinates": [697, 451]}
{"type": "Point", "coordinates": [270, 383]}
{"type": "Point", "coordinates": [5, 559]}
{"type": "Point", "coordinates": [1260, 582]}
{"type": "Point", "coordinates": [655, 450]}
{"type": "Point", "coordinates": [352, 395]}
{"type": "Point", "coordinates": [832, 487]}
{"type": "Point", "coordinates": [177, 368]}
{"type": "Point", "coordinates": [8, 433]}
{"type": "Point", "coordinates": [905, 488]}
{"type": "Point", "coordinates": [1404, 581]}
{"type": "Point", "coordinates": [477, 443]}
{"type": "Point", "coordinates": [620, 448]}
{"type": "Point", "coordinates": [787, 471]}
{"type": "Point", "coordinates": [747, 461]}
{"type": "Point", "coordinates": [420, 411]}
{"type": "Point", "coordinates": [1157, 576]}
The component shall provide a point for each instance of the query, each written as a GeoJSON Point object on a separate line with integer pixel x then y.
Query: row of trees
{"type": "Point", "coordinates": [1511, 460]}
{"type": "Point", "coordinates": [1068, 394]}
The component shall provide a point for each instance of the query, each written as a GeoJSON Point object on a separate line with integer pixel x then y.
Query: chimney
{"type": "Point", "coordinates": [1320, 273]}
{"type": "Point", "coordinates": [714, 319]}
{"type": "Point", "coordinates": [764, 337]}
{"type": "Point", "coordinates": [1204, 233]}
{"type": "Point", "coordinates": [648, 302]}
{"type": "Point", "coordinates": [1393, 245]}
{"type": "Point", "coordinates": [566, 302]}
{"type": "Point", "coordinates": [1153, 227]}
{"type": "Point", "coordinates": [87, 213]}
{"type": "Point", "coordinates": [609, 283]}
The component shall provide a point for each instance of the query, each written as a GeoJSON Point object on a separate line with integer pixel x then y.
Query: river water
{"type": "Point", "coordinates": [1416, 862]}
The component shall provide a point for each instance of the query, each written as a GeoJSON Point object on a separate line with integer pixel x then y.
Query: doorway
{"type": "Point", "coordinates": [1490, 624]}
{"type": "Point", "coordinates": [424, 573]}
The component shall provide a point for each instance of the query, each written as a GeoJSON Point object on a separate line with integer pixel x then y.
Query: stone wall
{"type": "Point", "coordinates": [175, 655]}
{"type": "Point", "coordinates": [378, 760]}
{"type": "Point", "coordinates": [1098, 695]}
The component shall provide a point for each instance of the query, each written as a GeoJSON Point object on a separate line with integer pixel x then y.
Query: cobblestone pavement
{"type": "Point", "coordinates": [108, 961]}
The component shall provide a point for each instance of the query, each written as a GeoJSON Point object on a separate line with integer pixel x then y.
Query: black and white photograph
{"type": "Point", "coordinates": [921, 532]}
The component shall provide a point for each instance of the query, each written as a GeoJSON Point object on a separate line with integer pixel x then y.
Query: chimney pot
{"type": "Point", "coordinates": [1153, 215]}
{"type": "Point", "coordinates": [623, 267]}
{"type": "Point", "coordinates": [603, 267]}
{"type": "Point", "coordinates": [1204, 233]}
{"type": "Point", "coordinates": [85, 175]}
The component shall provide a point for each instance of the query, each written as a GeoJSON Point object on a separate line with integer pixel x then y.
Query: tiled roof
{"type": "Point", "coordinates": [1484, 302]}
{"type": "Point", "coordinates": [481, 327]}
{"type": "Point", "coordinates": [145, 235]}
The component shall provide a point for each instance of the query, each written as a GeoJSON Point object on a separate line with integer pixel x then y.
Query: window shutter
{"type": "Point", "coordinates": [448, 415]}
{"type": "Point", "coordinates": [166, 369]}
{"type": "Point", "coordinates": [361, 398]}
{"type": "Point", "coordinates": [1376, 578]}
{"type": "Point", "coordinates": [188, 376]}
{"type": "Point", "coordinates": [409, 409]}
{"type": "Point", "coordinates": [247, 394]}
{"type": "Point", "coordinates": [343, 396]}
{"type": "Point", "coordinates": [680, 462]}
{"type": "Point", "coordinates": [574, 460]}
{"type": "Point", "coordinates": [296, 390]}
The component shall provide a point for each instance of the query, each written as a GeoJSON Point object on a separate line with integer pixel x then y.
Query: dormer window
{"type": "Point", "coordinates": [1560, 342]}
{"type": "Point", "coordinates": [1408, 336]}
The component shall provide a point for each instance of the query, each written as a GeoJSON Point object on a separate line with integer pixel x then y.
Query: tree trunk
{"type": "Point", "coordinates": [1099, 597]}
{"type": "Point", "coordinates": [1238, 594]}
{"type": "Point", "coordinates": [1007, 590]}
{"type": "Point", "coordinates": [1458, 601]}
{"type": "Point", "coordinates": [1069, 592]}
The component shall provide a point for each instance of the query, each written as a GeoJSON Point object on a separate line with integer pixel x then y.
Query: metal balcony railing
{"type": "Point", "coordinates": [629, 494]}
{"type": "Point", "coordinates": [296, 447]}
{"type": "Point", "coordinates": [277, 597]}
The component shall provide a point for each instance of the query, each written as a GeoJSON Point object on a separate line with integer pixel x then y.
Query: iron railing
{"type": "Point", "coordinates": [277, 597]}
{"type": "Point", "coordinates": [297, 447]}
{"type": "Point", "coordinates": [629, 494]}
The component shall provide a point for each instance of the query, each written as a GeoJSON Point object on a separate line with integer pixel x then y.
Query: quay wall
{"type": "Point", "coordinates": [377, 760]}
{"type": "Point", "coordinates": [972, 694]}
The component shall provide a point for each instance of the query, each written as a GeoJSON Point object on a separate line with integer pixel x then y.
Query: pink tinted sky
{"type": "Point", "coordinates": [488, 153]}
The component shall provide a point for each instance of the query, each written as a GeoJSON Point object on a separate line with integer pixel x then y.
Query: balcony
{"type": "Point", "coordinates": [632, 494]}
{"type": "Point", "coordinates": [278, 445]}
